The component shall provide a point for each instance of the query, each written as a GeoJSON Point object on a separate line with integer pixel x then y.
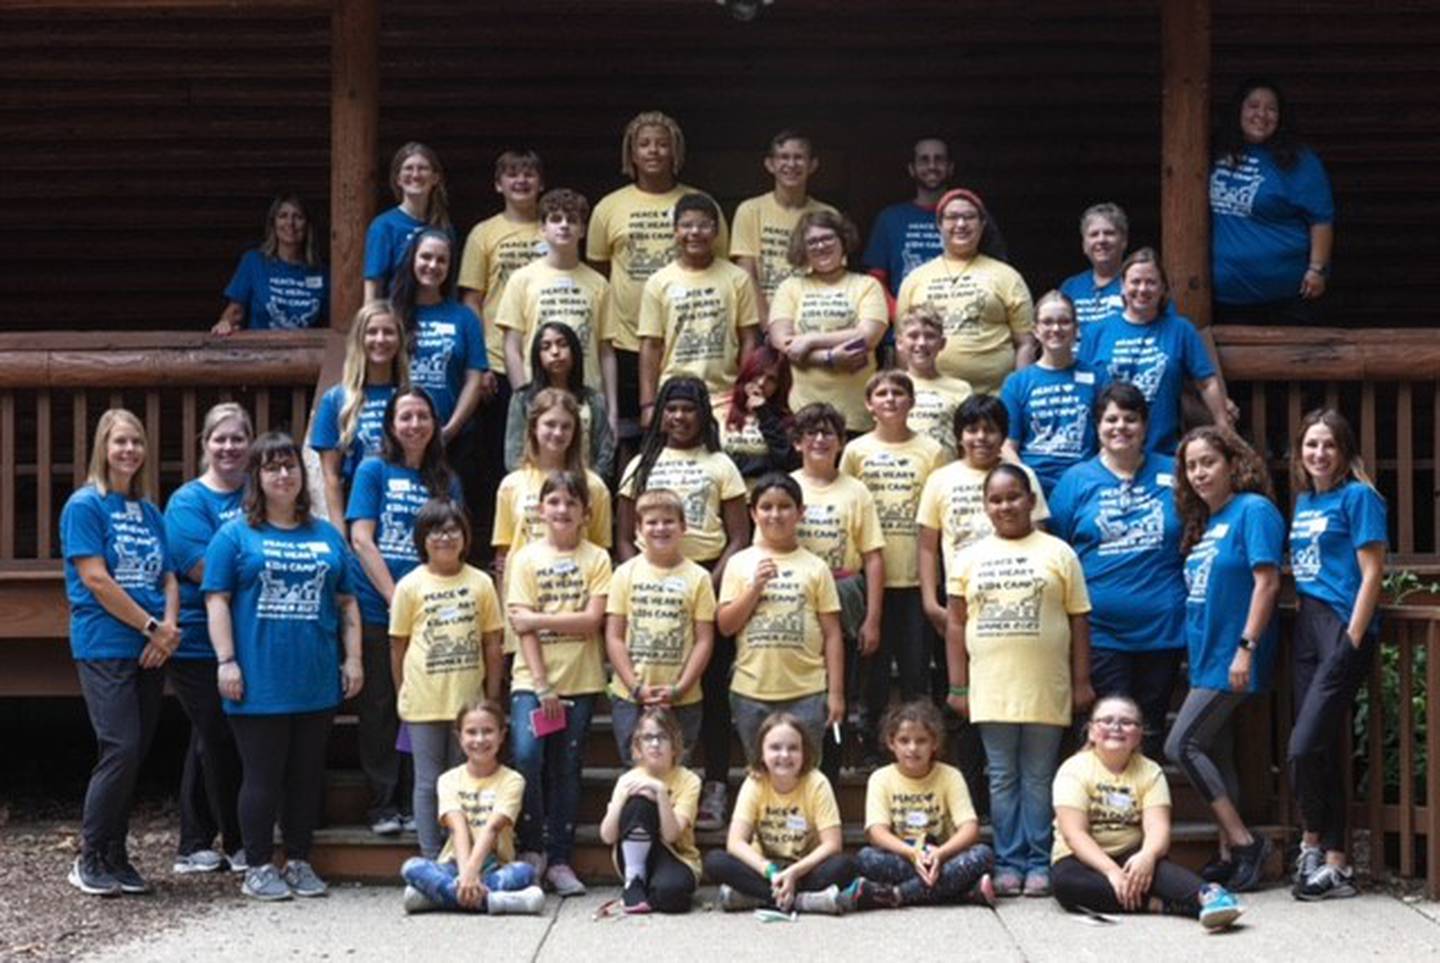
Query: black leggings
{"type": "Point", "coordinates": [1077, 886]}
{"type": "Point", "coordinates": [669, 883]}
{"type": "Point", "coordinates": [210, 781]}
{"type": "Point", "coordinates": [721, 867]}
{"type": "Point", "coordinates": [283, 760]}
{"type": "Point", "coordinates": [715, 731]}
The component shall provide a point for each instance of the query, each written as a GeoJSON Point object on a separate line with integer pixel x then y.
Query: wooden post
{"type": "Point", "coordinates": [1185, 154]}
{"type": "Point", "coordinates": [354, 126]}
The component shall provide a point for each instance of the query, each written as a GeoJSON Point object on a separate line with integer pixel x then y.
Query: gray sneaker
{"type": "Point", "coordinates": [734, 901]}
{"type": "Point", "coordinates": [1307, 861]}
{"type": "Point", "coordinates": [264, 883]}
{"type": "Point", "coordinates": [825, 901]}
{"type": "Point", "coordinates": [529, 901]}
{"type": "Point", "coordinates": [238, 862]}
{"type": "Point", "coordinates": [301, 879]}
{"type": "Point", "coordinates": [563, 880]}
{"type": "Point", "coordinates": [415, 901]}
{"type": "Point", "coordinates": [200, 861]}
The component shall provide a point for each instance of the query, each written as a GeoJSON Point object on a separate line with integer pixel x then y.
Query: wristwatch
{"type": "Point", "coordinates": [150, 626]}
{"type": "Point", "coordinates": [1248, 644]}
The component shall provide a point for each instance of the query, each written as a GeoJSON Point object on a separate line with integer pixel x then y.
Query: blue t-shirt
{"type": "Point", "coordinates": [277, 294]}
{"type": "Point", "coordinates": [1052, 417]}
{"type": "Point", "coordinates": [391, 496]}
{"type": "Point", "coordinates": [1220, 577]}
{"type": "Point", "coordinates": [903, 237]}
{"type": "Point", "coordinates": [1092, 304]}
{"type": "Point", "coordinates": [1127, 535]}
{"type": "Point", "coordinates": [1156, 358]}
{"type": "Point", "coordinates": [1325, 533]}
{"type": "Point", "coordinates": [369, 430]}
{"type": "Point", "coordinates": [385, 242]}
{"type": "Point", "coordinates": [284, 586]}
{"type": "Point", "coordinates": [1260, 220]}
{"type": "Point", "coordinates": [192, 517]}
{"type": "Point", "coordinates": [448, 343]}
{"type": "Point", "coordinates": [130, 536]}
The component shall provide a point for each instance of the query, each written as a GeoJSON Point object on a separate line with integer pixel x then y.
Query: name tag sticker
{"type": "Point", "coordinates": [444, 327]}
{"type": "Point", "coordinates": [917, 819]}
{"type": "Point", "coordinates": [487, 797]}
{"type": "Point", "coordinates": [1164, 479]}
{"type": "Point", "coordinates": [398, 484]}
{"type": "Point", "coordinates": [1220, 530]}
{"type": "Point", "coordinates": [1084, 377]}
{"type": "Point", "coordinates": [1122, 801]}
{"type": "Point", "coordinates": [319, 548]}
{"type": "Point", "coordinates": [314, 282]}
{"type": "Point", "coordinates": [564, 567]}
{"type": "Point", "coordinates": [795, 822]}
{"type": "Point", "coordinates": [673, 585]}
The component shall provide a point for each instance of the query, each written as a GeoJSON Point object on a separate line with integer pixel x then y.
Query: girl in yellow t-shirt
{"type": "Point", "coordinates": [1017, 637]}
{"type": "Point", "coordinates": [785, 846]}
{"type": "Point", "coordinates": [479, 803]}
{"type": "Point", "coordinates": [445, 634]}
{"type": "Point", "coordinates": [780, 603]}
{"type": "Point", "coordinates": [1112, 829]}
{"type": "Point", "coordinates": [555, 600]}
{"type": "Point", "coordinates": [651, 817]}
{"type": "Point", "coordinates": [924, 835]}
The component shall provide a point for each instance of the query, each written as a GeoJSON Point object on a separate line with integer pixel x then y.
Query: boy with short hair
{"type": "Point", "coordinates": [919, 339]}
{"type": "Point", "coordinates": [559, 288]}
{"type": "Point", "coordinates": [660, 624]}
{"type": "Point", "coordinates": [893, 462]}
{"type": "Point", "coordinates": [761, 235]}
{"type": "Point", "coordinates": [696, 312]}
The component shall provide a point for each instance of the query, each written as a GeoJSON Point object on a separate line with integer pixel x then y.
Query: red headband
{"type": "Point", "coordinates": [960, 193]}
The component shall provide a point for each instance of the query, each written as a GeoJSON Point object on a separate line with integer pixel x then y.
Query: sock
{"type": "Point", "coordinates": [634, 853]}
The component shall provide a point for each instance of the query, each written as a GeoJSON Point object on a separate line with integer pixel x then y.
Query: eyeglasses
{"type": "Point", "coordinates": [281, 468]}
{"type": "Point", "coordinates": [820, 241]}
{"type": "Point", "coordinates": [961, 218]}
{"type": "Point", "coordinates": [654, 738]}
{"type": "Point", "coordinates": [1116, 722]}
{"type": "Point", "coordinates": [448, 534]}
{"type": "Point", "coordinates": [819, 431]}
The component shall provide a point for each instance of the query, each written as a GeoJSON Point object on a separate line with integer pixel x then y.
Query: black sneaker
{"type": "Point", "coordinates": [89, 875]}
{"type": "Point", "coordinates": [1307, 861]}
{"type": "Point", "coordinates": [125, 873]}
{"type": "Point", "coordinates": [1218, 870]}
{"type": "Point", "coordinates": [1249, 864]}
{"type": "Point", "coordinates": [633, 897]}
{"type": "Point", "coordinates": [1328, 882]}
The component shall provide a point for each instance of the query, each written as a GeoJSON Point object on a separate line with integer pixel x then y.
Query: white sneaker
{"type": "Point", "coordinates": [238, 862]}
{"type": "Point", "coordinates": [824, 901]}
{"type": "Point", "coordinates": [734, 901]}
{"type": "Point", "coordinates": [200, 861]}
{"type": "Point", "coordinates": [529, 901]}
{"type": "Point", "coordinates": [415, 901]}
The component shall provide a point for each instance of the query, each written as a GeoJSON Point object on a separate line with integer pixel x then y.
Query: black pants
{"type": "Point", "coordinates": [715, 723]}
{"type": "Point", "coordinates": [123, 701]}
{"type": "Point", "coordinates": [1327, 671]}
{"type": "Point", "coordinates": [1078, 886]}
{"type": "Point", "coordinates": [283, 758]}
{"type": "Point", "coordinates": [1147, 677]}
{"type": "Point", "coordinates": [669, 883]}
{"type": "Point", "coordinates": [721, 867]}
{"type": "Point", "coordinates": [210, 780]}
{"type": "Point", "coordinates": [379, 724]}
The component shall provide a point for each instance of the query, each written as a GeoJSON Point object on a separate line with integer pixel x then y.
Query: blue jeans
{"type": "Point", "coordinates": [551, 767]}
{"type": "Point", "coordinates": [1021, 759]}
{"type": "Point", "coordinates": [439, 881]}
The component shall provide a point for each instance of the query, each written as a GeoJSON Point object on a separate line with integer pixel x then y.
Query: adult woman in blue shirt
{"type": "Point", "coordinates": [281, 284]}
{"type": "Point", "coordinates": [1337, 554]}
{"type": "Point", "coordinates": [1272, 215]}
{"type": "Point", "coordinates": [124, 625]}
{"type": "Point", "coordinates": [1234, 538]}
{"type": "Point", "coordinates": [388, 493]}
{"type": "Point", "coordinates": [279, 598]}
{"type": "Point", "coordinates": [210, 781]}
{"type": "Point", "coordinates": [1117, 510]}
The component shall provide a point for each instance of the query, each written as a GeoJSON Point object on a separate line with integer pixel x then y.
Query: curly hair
{"type": "Point", "coordinates": [1229, 140]}
{"type": "Point", "coordinates": [652, 118]}
{"type": "Point", "coordinates": [1247, 474]}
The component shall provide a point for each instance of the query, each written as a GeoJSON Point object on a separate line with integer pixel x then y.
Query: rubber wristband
{"type": "Point", "coordinates": [963, 691]}
{"type": "Point", "coordinates": [771, 871]}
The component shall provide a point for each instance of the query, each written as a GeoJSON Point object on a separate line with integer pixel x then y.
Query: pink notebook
{"type": "Point", "coordinates": [543, 726]}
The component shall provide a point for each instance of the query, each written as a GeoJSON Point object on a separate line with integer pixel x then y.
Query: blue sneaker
{"type": "Point", "coordinates": [1219, 907]}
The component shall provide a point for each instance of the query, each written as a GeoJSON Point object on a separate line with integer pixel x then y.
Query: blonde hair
{"type": "Point", "coordinates": [924, 314]}
{"type": "Point", "coordinates": [660, 500]}
{"type": "Point", "coordinates": [99, 474]}
{"type": "Point", "coordinates": [545, 399]}
{"type": "Point", "coordinates": [352, 374]}
{"type": "Point", "coordinates": [214, 418]}
{"type": "Point", "coordinates": [1056, 297]}
{"type": "Point", "coordinates": [652, 118]}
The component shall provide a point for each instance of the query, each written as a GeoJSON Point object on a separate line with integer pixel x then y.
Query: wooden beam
{"type": "Point", "coordinates": [354, 132]}
{"type": "Point", "coordinates": [259, 6]}
{"type": "Point", "coordinates": [1185, 154]}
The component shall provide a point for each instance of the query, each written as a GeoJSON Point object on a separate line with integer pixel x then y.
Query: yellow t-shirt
{"type": "Point", "coordinates": [926, 810]}
{"type": "Point", "coordinates": [578, 298]}
{"type": "Point", "coordinates": [984, 302]}
{"type": "Point", "coordinates": [840, 523]}
{"type": "Point", "coordinates": [953, 504]}
{"type": "Point", "coordinates": [762, 231]}
{"type": "Point", "coordinates": [661, 607]}
{"type": "Point", "coordinates": [496, 248]}
{"type": "Point", "coordinates": [933, 414]}
{"type": "Point", "coordinates": [1114, 803]}
{"type": "Point", "coordinates": [445, 618]}
{"type": "Point", "coordinates": [704, 480]}
{"type": "Point", "coordinates": [635, 232]}
{"type": "Point", "coordinates": [700, 318]}
{"type": "Point", "coordinates": [780, 653]}
{"type": "Point", "coordinates": [683, 787]}
{"type": "Point", "coordinates": [787, 825]}
{"type": "Point", "coordinates": [499, 793]}
{"type": "Point", "coordinates": [517, 510]}
{"type": "Point", "coordinates": [813, 306]}
{"type": "Point", "coordinates": [550, 581]}
{"type": "Point", "coordinates": [747, 441]}
{"type": "Point", "coordinates": [1019, 596]}
{"type": "Point", "coordinates": [895, 473]}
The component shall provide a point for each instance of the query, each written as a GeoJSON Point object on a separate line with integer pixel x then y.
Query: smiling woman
{"type": "Point", "coordinates": [280, 284]}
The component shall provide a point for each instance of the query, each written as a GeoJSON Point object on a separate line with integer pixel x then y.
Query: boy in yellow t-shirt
{"type": "Point", "coordinates": [697, 314]}
{"type": "Point", "coordinates": [893, 462]}
{"type": "Point", "coordinates": [760, 240]}
{"type": "Point", "coordinates": [660, 625]}
{"type": "Point", "coordinates": [559, 288]}
{"type": "Point", "coordinates": [919, 339]}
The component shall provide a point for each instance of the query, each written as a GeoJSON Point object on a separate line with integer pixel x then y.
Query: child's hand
{"type": "Point", "coordinates": [764, 572]}
{"type": "Point", "coordinates": [754, 395]}
{"type": "Point", "coordinates": [646, 786]}
{"type": "Point", "coordinates": [834, 709]}
{"type": "Point", "coordinates": [870, 637]}
{"type": "Point", "coordinates": [927, 865]}
{"type": "Point", "coordinates": [936, 614]}
{"type": "Point", "coordinates": [782, 889]}
{"type": "Point", "coordinates": [1083, 696]}
{"type": "Point", "coordinates": [523, 622]}
{"type": "Point", "coordinates": [797, 348]}
{"type": "Point", "coordinates": [469, 891]}
{"type": "Point", "coordinates": [960, 705]}
{"type": "Point", "coordinates": [550, 705]}
{"type": "Point", "coordinates": [653, 695]}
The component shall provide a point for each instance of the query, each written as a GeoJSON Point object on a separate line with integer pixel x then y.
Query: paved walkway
{"type": "Point", "coordinates": [366, 923]}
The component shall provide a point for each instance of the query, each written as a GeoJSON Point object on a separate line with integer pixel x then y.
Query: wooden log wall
{"type": "Point", "coordinates": [141, 147]}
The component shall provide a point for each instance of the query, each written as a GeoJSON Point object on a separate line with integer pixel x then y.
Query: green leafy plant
{"type": "Point", "coordinates": [1401, 583]}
